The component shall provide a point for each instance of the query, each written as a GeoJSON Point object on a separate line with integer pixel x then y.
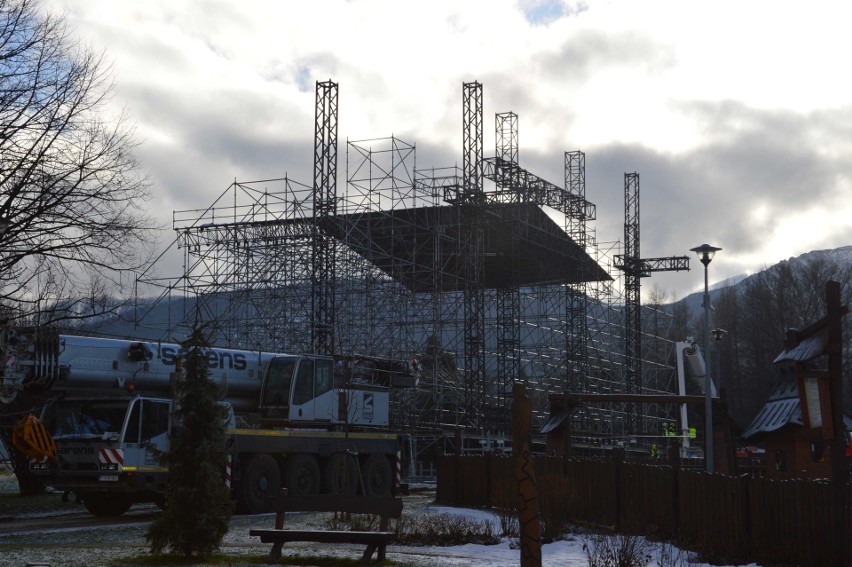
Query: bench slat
{"type": "Point", "coordinates": [276, 536]}
{"type": "Point", "coordinates": [386, 506]}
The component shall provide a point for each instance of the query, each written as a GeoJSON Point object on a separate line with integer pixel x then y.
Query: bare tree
{"type": "Point", "coordinates": [787, 295]}
{"type": "Point", "coordinates": [726, 315]}
{"type": "Point", "coordinates": [656, 323]}
{"type": "Point", "coordinates": [70, 190]}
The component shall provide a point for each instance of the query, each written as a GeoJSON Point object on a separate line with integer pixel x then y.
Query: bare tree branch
{"type": "Point", "coordinates": [69, 179]}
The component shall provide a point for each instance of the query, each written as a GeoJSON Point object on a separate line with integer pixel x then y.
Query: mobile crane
{"type": "Point", "coordinates": [308, 422]}
{"type": "Point", "coordinates": [691, 371]}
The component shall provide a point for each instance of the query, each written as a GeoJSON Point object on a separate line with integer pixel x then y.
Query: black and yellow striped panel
{"type": "Point", "coordinates": [32, 439]}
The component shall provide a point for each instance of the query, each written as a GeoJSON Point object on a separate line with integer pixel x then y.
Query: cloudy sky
{"type": "Point", "coordinates": [736, 115]}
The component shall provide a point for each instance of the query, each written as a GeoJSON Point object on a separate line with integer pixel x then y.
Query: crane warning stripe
{"type": "Point", "coordinates": [112, 456]}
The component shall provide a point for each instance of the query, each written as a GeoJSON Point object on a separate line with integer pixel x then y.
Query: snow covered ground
{"type": "Point", "coordinates": [95, 549]}
{"type": "Point", "coordinates": [87, 547]}
{"type": "Point", "coordinates": [566, 553]}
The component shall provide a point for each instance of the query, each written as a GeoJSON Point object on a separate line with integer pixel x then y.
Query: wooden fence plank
{"type": "Point", "coordinates": [749, 519]}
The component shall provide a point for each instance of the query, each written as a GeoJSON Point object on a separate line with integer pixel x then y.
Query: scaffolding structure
{"type": "Point", "coordinates": [463, 269]}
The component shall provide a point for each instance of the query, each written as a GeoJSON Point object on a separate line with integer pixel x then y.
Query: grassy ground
{"type": "Point", "coordinates": [13, 504]}
{"type": "Point", "coordinates": [126, 544]}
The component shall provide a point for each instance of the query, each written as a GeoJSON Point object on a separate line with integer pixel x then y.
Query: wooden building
{"type": "Point", "coordinates": [791, 450]}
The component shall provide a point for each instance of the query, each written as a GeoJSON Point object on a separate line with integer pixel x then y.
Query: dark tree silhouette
{"type": "Point", "coordinates": [70, 194]}
{"type": "Point", "coordinates": [198, 504]}
{"type": "Point", "coordinates": [757, 312]}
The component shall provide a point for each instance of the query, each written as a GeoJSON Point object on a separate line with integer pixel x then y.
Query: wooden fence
{"type": "Point", "coordinates": [776, 522]}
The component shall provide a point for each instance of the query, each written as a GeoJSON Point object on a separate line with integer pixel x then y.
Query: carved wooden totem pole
{"type": "Point", "coordinates": [528, 516]}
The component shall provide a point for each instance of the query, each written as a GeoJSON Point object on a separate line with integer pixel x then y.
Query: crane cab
{"type": "Point", "coordinates": [323, 390]}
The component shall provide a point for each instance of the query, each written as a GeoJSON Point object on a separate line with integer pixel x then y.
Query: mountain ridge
{"type": "Point", "coordinates": [841, 255]}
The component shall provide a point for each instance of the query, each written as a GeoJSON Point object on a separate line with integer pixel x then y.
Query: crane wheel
{"type": "Point", "coordinates": [261, 480]}
{"type": "Point", "coordinates": [303, 475]}
{"type": "Point", "coordinates": [377, 475]}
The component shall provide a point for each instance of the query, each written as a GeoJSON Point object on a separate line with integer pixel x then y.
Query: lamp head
{"type": "Point", "coordinates": [718, 334]}
{"type": "Point", "coordinates": [705, 253]}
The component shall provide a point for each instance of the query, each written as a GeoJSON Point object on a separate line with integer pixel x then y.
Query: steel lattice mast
{"type": "Point", "coordinates": [635, 268]}
{"type": "Point", "coordinates": [323, 257]}
{"type": "Point", "coordinates": [472, 197]}
{"type": "Point", "coordinates": [508, 297]}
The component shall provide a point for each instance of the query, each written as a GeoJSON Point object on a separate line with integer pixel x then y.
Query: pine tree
{"type": "Point", "coordinates": [198, 504]}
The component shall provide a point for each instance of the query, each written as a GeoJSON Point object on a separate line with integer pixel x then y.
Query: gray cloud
{"type": "Point", "coordinates": [587, 51]}
{"type": "Point", "coordinates": [754, 158]}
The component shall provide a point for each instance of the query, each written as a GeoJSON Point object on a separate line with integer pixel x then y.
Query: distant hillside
{"type": "Point", "coordinates": [841, 256]}
{"type": "Point", "coordinates": [155, 318]}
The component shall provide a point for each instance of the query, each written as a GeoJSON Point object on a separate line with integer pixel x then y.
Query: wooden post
{"type": "Point", "coordinates": [489, 479]}
{"type": "Point", "coordinates": [674, 461]}
{"type": "Point", "coordinates": [745, 514]}
{"type": "Point", "coordinates": [728, 432]}
{"type": "Point", "coordinates": [568, 431]}
{"type": "Point", "coordinates": [617, 465]}
{"type": "Point", "coordinates": [522, 460]}
{"type": "Point", "coordinates": [457, 462]}
{"type": "Point", "coordinates": [839, 473]}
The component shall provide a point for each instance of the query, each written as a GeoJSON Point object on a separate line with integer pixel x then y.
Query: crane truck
{"type": "Point", "coordinates": [308, 422]}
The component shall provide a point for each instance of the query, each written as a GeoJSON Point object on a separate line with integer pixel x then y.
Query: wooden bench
{"type": "Point", "coordinates": [385, 507]}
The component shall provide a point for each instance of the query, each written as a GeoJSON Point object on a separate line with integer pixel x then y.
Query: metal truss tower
{"type": "Point", "coordinates": [472, 197]}
{"type": "Point", "coordinates": [632, 285]}
{"type": "Point", "coordinates": [508, 296]}
{"type": "Point", "coordinates": [576, 295]}
{"type": "Point", "coordinates": [324, 248]}
{"type": "Point", "coordinates": [635, 268]}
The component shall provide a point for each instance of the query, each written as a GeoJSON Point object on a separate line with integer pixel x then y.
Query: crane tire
{"type": "Point", "coordinates": [105, 504]}
{"type": "Point", "coordinates": [377, 475]}
{"type": "Point", "coordinates": [261, 480]}
{"type": "Point", "coordinates": [303, 475]}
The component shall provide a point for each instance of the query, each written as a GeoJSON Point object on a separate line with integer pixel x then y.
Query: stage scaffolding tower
{"type": "Point", "coordinates": [324, 247]}
{"type": "Point", "coordinates": [507, 296]}
{"type": "Point", "coordinates": [635, 268]}
{"type": "Point", "coordinates": [464, 270]}
{"type": "Point", "coordinates": [471, 197]}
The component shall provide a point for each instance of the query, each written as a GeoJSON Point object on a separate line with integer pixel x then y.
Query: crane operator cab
{"type": "Point", "coordinates": [299, 389]}
{"type": "Point", "coordinates": [317, 390]}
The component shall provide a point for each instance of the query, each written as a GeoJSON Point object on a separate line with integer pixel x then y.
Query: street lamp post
{"type": "Point", "coordinates": [718, 335]}
{"type": "Point", "coordinates": [705, 254]}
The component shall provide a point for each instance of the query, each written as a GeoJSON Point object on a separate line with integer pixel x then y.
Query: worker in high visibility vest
{"type": "Point", "coordinates": [670, 430]}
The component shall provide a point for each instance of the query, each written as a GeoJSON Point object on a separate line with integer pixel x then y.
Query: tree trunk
{"type": "Point", "coordinates": [28, 484]}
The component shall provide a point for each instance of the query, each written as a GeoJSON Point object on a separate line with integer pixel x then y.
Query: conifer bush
{"type": "Point", "coordinates": [198, 505]}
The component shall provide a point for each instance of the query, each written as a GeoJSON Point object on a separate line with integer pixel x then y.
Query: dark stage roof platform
{"type": "Point", "coordinates": [422, 247]}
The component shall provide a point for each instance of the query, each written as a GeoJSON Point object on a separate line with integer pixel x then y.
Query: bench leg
{"type": "Point", "coordinates": [381, 555]}
{"type": "Point", "coordinates": [275, 552]}
{"type": "Point", "coordinates": [368, 554]}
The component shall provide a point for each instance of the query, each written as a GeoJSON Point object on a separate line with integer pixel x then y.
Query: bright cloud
{"type": "Point", "coordinates": [737, 115]}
